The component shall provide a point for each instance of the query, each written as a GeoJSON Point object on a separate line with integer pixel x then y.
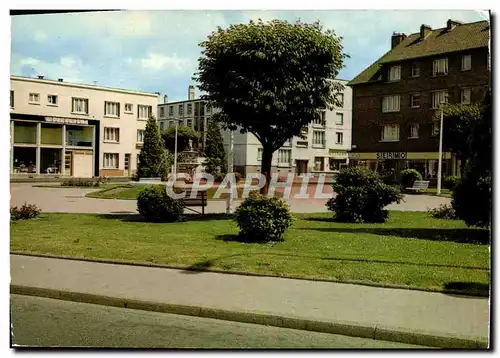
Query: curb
{"type": "Point", "coordinates": [189, 268]}
{"type": "Point", "coordinates": [342, 328]}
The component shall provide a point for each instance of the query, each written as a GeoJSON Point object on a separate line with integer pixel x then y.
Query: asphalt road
{"type": "Point", "coordinates": [43, 322]}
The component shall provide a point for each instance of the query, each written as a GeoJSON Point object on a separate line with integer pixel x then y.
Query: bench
{"type": "Point", "coordinates": [419, 186]}
{"type": "Point", "coordinates": [200, 200]}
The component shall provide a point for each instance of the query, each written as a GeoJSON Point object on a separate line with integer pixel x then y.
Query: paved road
{"type": "Point", "coordinates": [74, 201]}
{"type": "Point", "coordinates": [45, 322]}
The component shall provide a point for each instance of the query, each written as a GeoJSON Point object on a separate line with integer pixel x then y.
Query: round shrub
{"type": "Point", "coordinates": [154, 204]}
{"type": "Point", "coordinates": [25, 212]}
{"type": "Point", "coordinates": [443, 211]}
{"type": "Point", "coordinates": [409, 176]}
{"type": "Point", "coordinates": [361, 196]}
{"type": "Point", "coordinates": [263, 219]}
{"type": "Point", "coordinates": [450, 182]}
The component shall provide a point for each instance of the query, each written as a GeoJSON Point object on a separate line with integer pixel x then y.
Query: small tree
{"type": "Point", "coordinates": [214, 151]}
{"type": "Point", "coordinates": [154, 160]}
{"type": "Point", "coordinates": [270, 79]}
{"type": "Point", "coordinates": [361, 196]}
{"type": "Point", "coordinates": [471, 197]}
{"type": "Point", "coordinates": [184, 135]}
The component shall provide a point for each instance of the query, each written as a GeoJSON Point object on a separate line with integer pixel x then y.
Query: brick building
{"type": "Point", "coordinates": [396, 100]}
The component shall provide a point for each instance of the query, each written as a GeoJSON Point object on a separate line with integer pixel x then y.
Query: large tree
{"type": "Point", "coordinates": [472, 196]}
{"type": "Point", "coordinates": [154, 160]}
{"type": "Point", "coordinates": [458, 121]}
{"type": "Point", "coordinates": [214, 150]}
{"type": "Point", "coordinates": [270, 79]}
{"type": "Point", "coordinates": [184, 135]}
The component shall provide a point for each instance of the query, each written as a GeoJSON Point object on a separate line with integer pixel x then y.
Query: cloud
{"type": "Point", "coordinates": [156, 61]}
{"type": "Point", "coordinates": [40, 36]}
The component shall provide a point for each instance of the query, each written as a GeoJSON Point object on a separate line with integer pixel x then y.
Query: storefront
{"type": "Point", "coordinates": [338, 159]}
{"type": "Point", "coordinates": [53, 146]}
{"type": "Point", "coordinates": [392, 163]}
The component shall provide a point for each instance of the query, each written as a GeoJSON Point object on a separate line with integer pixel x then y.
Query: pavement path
{"type": "Point", "coordinates": [45, 322]}
{"type": "Point", "coordinates": [407, 310]}
{"type": "Point", "coordinates": [73, 200]}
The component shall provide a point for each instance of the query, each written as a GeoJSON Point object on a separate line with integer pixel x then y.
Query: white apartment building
{"type": "Point", "coordinates": [79, 130]}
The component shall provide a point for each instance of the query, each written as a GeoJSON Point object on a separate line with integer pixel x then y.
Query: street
{"type": "Point", "coordinates": [43, 322]}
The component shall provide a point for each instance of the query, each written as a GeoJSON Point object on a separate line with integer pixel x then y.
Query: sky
{"type": "Point", "coordinates": [158, 50]}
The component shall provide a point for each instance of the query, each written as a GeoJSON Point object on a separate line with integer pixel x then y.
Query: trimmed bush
{"type": "Point", "coordinates": [263, 219]}
{"type": "Point", "coordinates": [155, 205]}
{"type": "Point", "coordinates": [450, 182]}
{"type": "Point", "coordinates": [361, 196]}
{"type": "Point", "coordinates": [443, 212]}
{"type": "Point", "coordinates": [25, 212]}
{"type": "Point", "coordinates": [409, 176]}
{"type": "Point", "coordinates": [84, 182]}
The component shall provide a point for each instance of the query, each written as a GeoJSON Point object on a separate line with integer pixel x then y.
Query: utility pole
{"type": "Point", "coordinates": [229, 199]}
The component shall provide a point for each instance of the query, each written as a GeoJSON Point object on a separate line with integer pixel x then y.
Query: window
{"type": "Point", "coordinates": [466, 63]}
{"type": "Point", "coordinates": [140, 135]}
{"type": "Point", "coordinates": [391, 103]}
{"type": "Point", "coordinates": [415, 69]}
{"type": "Point", "coordinates": [52, 99]}
{"type": "Point", "coordinates": [190, 109]}
{"type": "Point", "coordinates": [80, 105]}
{"type": "Point", "coordinates": [112, 109]}
{"type": "Point", "coordinates": [143, 112]}
{"type": "Point", "coordinates": [339, 137]}
{"type": "Point", "coordinates": [284, 156]}
{"type": "Point", "coordinates": [339, 120]}
{"type": "Point", "coordinates": [389, 133]}
{"type": "Point", "coordinates": [259, 153]}
{"type": "Point", "coordinates": [161, 125]}
{"type": "Point", "coordinates": [128, 108]}
{"type": "Point", "coordinates": [162, 112]}
{"type": "Point", "coordinates": [11, 99]}
{"type": "Point", "coordinates": [112, 134]}
{"type": "Point", "coordinates": [440, 67]}
{"type": "Point", "coordinates": [181, 109]}
{"type": "Point", "coordinates": [171, 123]}
{"type": "Point", "coordinates": [189, 123]}
{"type": "Point", "coordinates": [208, 109]}
{"type": "Point", "coordinates": [111, 160]}
{"type": "Point", "coordinates": [319, 139]}
{"type": "Point", "coordinates": [340, 98]}
{"type": "Point", "coordinates": [321, 121]}
{"type": "Point", "coordinates": [126, 165]}
{"type": "Point", "coordinates": [319, 164]}
{"type": "Point", "coordinates": [395, 73]}
{"type": "Point", "coordinates": [171, 110]}
{"type": "Point", "coordinates": [413, 131]}
{"type": "Point", "coordinates": [435, 129]}
{"type": "Point", "coordinates": [415, 100]}
{"type": "Point", "coordinates": [34, 97]}
{"type": "Point", "coordinates": [465, 95]}
{"type": "Point", "coordinates": [439, 97]}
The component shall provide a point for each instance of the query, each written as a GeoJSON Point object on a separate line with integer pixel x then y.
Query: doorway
{"type": "Point", "coordinates": [302, 166]}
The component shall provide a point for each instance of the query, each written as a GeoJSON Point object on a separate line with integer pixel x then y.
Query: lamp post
{"type": "Point", "coordinates": [440, 159]}
{"type": "Point", "coordinates": [229, 199]}
{"type": "Point", "coordinates": [175, 150]}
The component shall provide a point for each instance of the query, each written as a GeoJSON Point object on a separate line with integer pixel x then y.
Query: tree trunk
{"type": "Point", "coordinates": [463, 163]}
{"type": "Point", "coordinates": [265, 168]}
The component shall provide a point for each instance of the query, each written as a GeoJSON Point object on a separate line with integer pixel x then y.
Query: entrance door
{"type": "Point", "coordinates": [68, 164]}
{"type": "Point", "coordinates": [127, 164]}
{"type": "Point", "coordinates": [301, 166]}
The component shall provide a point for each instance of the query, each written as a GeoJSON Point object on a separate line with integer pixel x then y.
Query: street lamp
{"type": "Point", "coordinates": [175, 149]}
{"type": "Point", "coordinates": [229, 199]}
{"type": "Point", "coordinates": [440, 159]}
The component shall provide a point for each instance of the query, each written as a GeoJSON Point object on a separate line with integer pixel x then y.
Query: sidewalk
{"type": "Point", "coordinates": [388, 314]}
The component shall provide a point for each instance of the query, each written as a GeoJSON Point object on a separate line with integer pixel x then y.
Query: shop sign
{"type": "Point", "coordinates": [66, 120]}
{"type": "Point", "coordinates": [338, 153]}
{"type": "Point", "coordinates": [353, 155]}
{"type": "Point", "coordinates": [391, 155]}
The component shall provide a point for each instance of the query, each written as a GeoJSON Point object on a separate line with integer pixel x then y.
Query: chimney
{"type": "Point", "coordinates": [451, 24]}
{"type": "Point", "coordinates": [60, 79]}
{"type": "Point", "coordinates": [165, 99]}
{"type": "Point", "coordinates": [424, 31]}
{"type": "Point", "coordinates": [396, 39]}
{"type": "Point", "coordinates": [191, 92]}
{"type": "Point", "coordinates": [40, 77]}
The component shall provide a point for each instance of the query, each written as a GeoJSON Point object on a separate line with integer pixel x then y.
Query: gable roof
{"type": "Point", "coordinates": [439, 41]}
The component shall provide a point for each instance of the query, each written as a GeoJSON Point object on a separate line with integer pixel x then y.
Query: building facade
{"type": "Point", "coordinates": [397, 100]}
{"type": "Point", "coordinates": [76, 130]}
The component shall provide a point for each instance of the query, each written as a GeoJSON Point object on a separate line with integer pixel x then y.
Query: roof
{"type": "Point", "coordinates": [83, 85]}
{"type": "Point", "coordinates": [462, 37]}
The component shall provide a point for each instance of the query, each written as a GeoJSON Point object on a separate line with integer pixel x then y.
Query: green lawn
{"type": "Point", "coordinates": [444, 192]}
{"type": "Point", "coordinates": [130, 192]}
{"type": "Point", "coordinates": [410, 249]}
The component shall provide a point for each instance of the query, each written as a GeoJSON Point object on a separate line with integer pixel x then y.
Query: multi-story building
{"type": "Point", "coordinates": [397, 100]}
{"type": "Point", "coordinates": [192, 113]}
{"type": "Point", "coordinates": [323, 148]}
{"type": "Point", "coordinates": [78, 130]}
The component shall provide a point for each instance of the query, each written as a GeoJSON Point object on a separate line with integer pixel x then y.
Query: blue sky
{"type": "Point", "coordinates": [158, 50]}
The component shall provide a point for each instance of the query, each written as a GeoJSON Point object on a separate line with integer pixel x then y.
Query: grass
{"type": "Point", "coordinates": [411, 249]}
{"type": "Point", "coordinates": [444, 192]}
{"type": "Point", "coordinates": [130, 192]}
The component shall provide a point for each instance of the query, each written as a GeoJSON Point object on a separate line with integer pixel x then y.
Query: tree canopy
{"type": "Point", "coordinates": [214, 151]}
{"type": "Point", "coordinates": [270, 78]}
{"type": "Point", "coordinates": [184, 134]}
